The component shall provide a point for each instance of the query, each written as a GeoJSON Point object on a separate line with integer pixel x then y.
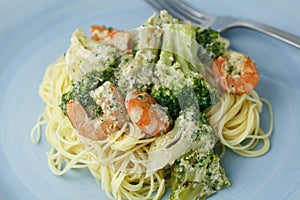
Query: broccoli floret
{"type": "Point", "coordinates": [81, 91]}
{"type": "Point", "coordinates": [211, 41]}
{"type": "Point", "coordinates": [197, 93]}
{"type": "Point", "coordinates": [204, 94]}
{"type": "Point", "coordinates": [65, 98]}
{"type": "Point", "coordinates": [197, 175]}
{"type": "Point", "coordinates": [204, 137]}
{"type": "Point", "coordinates": [165, 97]}
{"type": "Point", "coordinates": [107, 75]}
{"type": "Point", "coordinates": [204, 128]}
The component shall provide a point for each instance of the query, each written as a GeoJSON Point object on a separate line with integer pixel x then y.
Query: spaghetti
{"type": "Point", "coordinates": [120, 160]}
{"type": "Point", "coordinates": [69, 151]}
{"type": "Point", "coordinates": [237, 123]}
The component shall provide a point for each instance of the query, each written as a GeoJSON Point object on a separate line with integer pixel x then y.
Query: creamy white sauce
{"type": "Point", "coordinates": [235, 63]}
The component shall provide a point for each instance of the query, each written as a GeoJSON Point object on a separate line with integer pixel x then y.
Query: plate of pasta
{"type": "Point", "coordinates": [106, 102]}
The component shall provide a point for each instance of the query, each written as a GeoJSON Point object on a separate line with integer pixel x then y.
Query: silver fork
{"type": "Point", "coordinates": [184, 11]}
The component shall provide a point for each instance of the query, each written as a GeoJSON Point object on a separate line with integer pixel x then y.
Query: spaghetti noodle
{"type": "Point", "coordinates": [68, 150]}
{"type": "Point", "coordinates": [237, 123]}
{"type": "Point", "coordinates": [120, 160]}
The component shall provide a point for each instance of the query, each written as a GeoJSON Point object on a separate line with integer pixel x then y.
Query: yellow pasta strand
{"type": "Point", "coordinates": [236, 121]}
{"type": "Point", "coordinates": [123, 150]}
{"type": "Point", "coordinates": [119, 162]}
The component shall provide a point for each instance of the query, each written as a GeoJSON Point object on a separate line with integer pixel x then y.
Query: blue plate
{"type": "Point", "coordinates": [34, 33]}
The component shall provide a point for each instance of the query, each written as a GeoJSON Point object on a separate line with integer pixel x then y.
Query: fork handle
{"type": "Point", "coordinates": [284, 36]}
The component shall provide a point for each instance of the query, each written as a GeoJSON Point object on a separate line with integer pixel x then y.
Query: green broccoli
{"type": "Point", "coordinates": [81, 91]}
{"type": "Point", "coordinates": [197, 175]}
{"type": "Point", "coordinates": [205, 95]}
{"type": "Point", "coordinates": [165, 97]}
{"type": "Point", "coordinates": [211, 41]}
{"type": "Point", "coordinates": [65, 98]}
{"type": "Point", "coordinates": [195, 93]}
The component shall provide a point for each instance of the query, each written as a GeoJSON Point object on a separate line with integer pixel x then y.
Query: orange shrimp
{"type": "Point", "coordinates": [118, 39]}
{"type": "Point", "coordinates": [112, 103]}
{"type": "Point", "coordinates": [146, 114]}
{"type": "Point", "coordinates": [236, 73]}
{"type": "Point", "coordinates": [84, 125]}
{"type": "Point", "coordinates": [100, 33]}
{"type": "Point", "coordinates": [114, 113]}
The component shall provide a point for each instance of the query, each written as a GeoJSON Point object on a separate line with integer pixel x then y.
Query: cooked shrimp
{"type": "Point", "coordinates": [85, 126]}
{"type": "Point", "coordinates": [236, 73]}
{"type": "Point", "coordinates": [112, 103]}
{"type": "Point", "coordinates": [114, 113]}
{"type": "Point", "coordinates": [118, 39]}
{"type": "Point", "coordinates": [100, 33]}
{"type": "Point", "coordinates": [146, 114]}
